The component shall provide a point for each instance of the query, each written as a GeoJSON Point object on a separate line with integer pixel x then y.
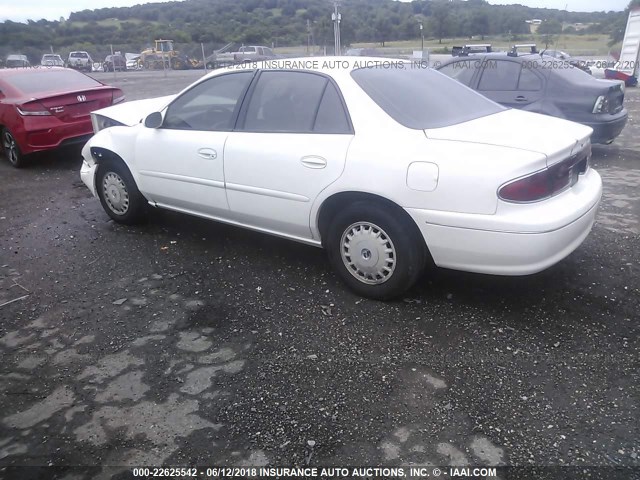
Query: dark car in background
{"type": "Point", "coordinates": [45, 108]}
{"type": "Point", "coordinates": [560, 55]}
{"type": "Point", "coordinates": [542, 84]}
{"type": "Point", "coordinates": [363, 52]}
{"type": "Point", "coordinates": [114, 63]}
{"type": "Point", "coordinates": [461, 51]}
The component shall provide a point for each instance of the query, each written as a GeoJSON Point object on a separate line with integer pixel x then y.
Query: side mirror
{"type": "Point", "coordinates": [153, 120]}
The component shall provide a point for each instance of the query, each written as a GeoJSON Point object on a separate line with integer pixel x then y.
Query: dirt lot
{"type": "Point", "coordinates": [185, 342]}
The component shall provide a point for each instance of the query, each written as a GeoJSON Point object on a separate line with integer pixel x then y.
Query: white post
{"type": "Point", "coordinates": [114, 63]}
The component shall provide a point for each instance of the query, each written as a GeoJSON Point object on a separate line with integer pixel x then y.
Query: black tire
{"type": "Point", "coordinates": [119, 194]}
{"type": "Point", "coordinates": [376, 230]}
{"type": "Point", "coordinates": [11, 149]}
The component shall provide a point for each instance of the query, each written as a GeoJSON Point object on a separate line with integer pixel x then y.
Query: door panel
{"type": "Point", "coordinates": [511, 84]}
{"type": "Point", "coordinates": [181, 164]}
{"type": "Point", "coordinates": [183, 169]}
{"type": "Point", "coordinates": [273, 178]}
{"type": "Point", "coordinates": [292, 144]}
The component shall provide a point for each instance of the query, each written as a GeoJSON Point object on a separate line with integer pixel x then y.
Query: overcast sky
{"type": "Point", "coordinates": [21, 10]}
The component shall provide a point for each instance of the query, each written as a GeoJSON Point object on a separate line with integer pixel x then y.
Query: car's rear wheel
{"type": "Point", "coordinates": [119, 194]}
{"type": "Point", "coordinates": [376, 250]}
{"type": "Point", "coordinates": [11, 149]}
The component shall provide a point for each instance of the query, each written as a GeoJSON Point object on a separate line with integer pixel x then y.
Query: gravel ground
{"type": "Point", "coordinates": [185, 342]}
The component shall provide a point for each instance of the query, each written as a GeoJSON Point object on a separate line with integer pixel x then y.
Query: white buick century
{"type": "Point", "coordinates": [387, 165]}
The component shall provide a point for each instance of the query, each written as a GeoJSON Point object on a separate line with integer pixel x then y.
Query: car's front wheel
{"type": "Point", "coordinates": [11, 149]}
{"type": "Point", "coordinates": [119, 194]}
{"type": "Point", "coordinates": [377, 250]}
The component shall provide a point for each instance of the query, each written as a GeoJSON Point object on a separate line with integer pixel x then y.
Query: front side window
{"type": "Point", "coordinates": [210, 105]}
{"type": "Point", "coordinates": [295, 102]}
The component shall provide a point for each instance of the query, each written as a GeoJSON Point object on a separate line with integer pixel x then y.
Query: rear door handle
{"type": "Point", "coordinates": [208, 153]}
{"type": "Point", "coordinates": [520, 98]}
{"type": "Point", "coordinates": [313, 161]}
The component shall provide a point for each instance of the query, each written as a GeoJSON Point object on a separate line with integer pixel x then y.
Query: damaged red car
{"type": "Point", "coordinates": [46, 108]}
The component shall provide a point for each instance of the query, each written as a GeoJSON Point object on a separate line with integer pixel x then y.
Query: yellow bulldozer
{"type": "Point", "coordinates": [163, 56]}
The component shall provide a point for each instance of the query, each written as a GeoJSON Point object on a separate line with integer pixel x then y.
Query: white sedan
{"type": "Point", "coordinates": [387, 165]}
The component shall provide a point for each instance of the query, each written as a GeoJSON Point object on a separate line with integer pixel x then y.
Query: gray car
{"type": "Point", "coordinates": [543, 84]}
{"type": "Point", "coordinates": [51, 60]}
{"type": "Point", "coordinates": [17, 61]}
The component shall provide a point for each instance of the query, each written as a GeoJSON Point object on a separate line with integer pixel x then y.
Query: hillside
{"type": "Point", "coordinates": [281, 23]}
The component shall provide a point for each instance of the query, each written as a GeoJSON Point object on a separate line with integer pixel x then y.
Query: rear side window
{"type": "Point", "coordinates": [499, 75]}
{"type": "Point", "coordinates": [331, 117]}
{"type": "Point", "coordinates": [46, 80]}
{"type": "Point", "coordinates": [462, 71]}
{"type": "Point", "coordinates": [529, 80]}
{"type": "Point", "coordinates": [295, 102]}
{"type": "Point", "coordinates": [422, 98]}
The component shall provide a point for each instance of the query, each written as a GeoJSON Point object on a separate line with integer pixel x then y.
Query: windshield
{"type": "Point", "coordinates": [420, 98]}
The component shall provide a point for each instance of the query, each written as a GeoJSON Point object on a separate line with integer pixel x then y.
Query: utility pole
{"type": "Point", "coordinates": [336, 17]}
{"type": "Point", "coordinates": [422, 44]}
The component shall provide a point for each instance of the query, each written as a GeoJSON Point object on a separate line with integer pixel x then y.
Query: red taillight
{"type": "Point", "coordinates": [117, 96]}
{"type": "Point", "coordinates": [33, 109]}
{"type": "Point", "coordinates": [545, 183]}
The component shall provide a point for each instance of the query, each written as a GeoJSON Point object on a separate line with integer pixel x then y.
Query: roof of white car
{"type": "Point", "coordinates": [329, 65]}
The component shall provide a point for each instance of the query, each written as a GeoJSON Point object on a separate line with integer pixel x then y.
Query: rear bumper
{"type": "Point", "coordinates": [39, 135]}
{"type": "Point", "coordinates": [512, 243]}
{"type": "Point", "coordinates": [606, 131]}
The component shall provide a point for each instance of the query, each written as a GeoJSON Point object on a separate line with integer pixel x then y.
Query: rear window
{"type": "Point", "coordinates": [422, 98]}
{"type": "Point", "coordinates": [42, 81]}
{"type": "Point", "coordinates": [79, 55]}
{"type": "Point", "coordinates": [569, 72]}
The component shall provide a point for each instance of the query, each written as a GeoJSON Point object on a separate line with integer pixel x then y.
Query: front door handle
{"type": "Point", "coordinates": [208, 153]}
{"type": "Point", "coordinates": [313, 161]}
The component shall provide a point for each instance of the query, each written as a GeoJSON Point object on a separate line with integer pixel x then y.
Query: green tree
{"type": "Point", "coordinates": [550, 27]}
{"type": "Point", "coordinates": [619, 26]}
{"type": "Point", "coordinates": [440, 22]}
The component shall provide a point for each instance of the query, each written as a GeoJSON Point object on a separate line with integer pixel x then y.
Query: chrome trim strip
{"type": "Point", "coordinates": [267, 192]}
{"type": "Point", "coordinates": [183, 178]}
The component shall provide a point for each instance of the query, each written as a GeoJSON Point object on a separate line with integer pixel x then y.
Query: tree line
{"type": "Point", "coordinates": [285, 23]}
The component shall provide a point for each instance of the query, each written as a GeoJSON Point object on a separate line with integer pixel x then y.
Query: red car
{"type": "Point", "coordinates": [45, 108]}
